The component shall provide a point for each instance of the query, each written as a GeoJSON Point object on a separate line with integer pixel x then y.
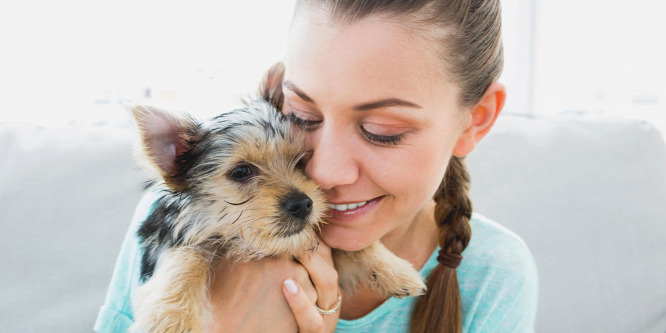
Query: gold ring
{"type": "Point", "coordinates": [333, 310]}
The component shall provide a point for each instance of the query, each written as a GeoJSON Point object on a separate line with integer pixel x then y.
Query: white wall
{"type": "Point", "coordinates": [74, 59]}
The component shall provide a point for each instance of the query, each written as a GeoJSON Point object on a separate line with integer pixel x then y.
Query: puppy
{"type": "Point", "coordinates": [233, 188]}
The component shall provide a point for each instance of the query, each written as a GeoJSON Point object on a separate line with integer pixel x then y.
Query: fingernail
{"type": "Point", "coordinates": [291, 286]}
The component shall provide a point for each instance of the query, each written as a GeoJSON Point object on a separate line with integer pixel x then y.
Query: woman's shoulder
{"type": "Point", "coordinates": [495, 246]}
{"type": "Point", "coordinates": [498, 278]}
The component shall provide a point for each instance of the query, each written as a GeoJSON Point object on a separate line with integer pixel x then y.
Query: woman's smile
{"type": "Point", "coordinates": [350, 212]}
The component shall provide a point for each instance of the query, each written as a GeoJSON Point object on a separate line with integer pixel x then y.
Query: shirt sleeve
{"type": "Point", "coordinates": [522, 306]}
{"type": "Point", "coordinates": [115, 315]}
{"type": "Point", "coordinates": [503, 291]}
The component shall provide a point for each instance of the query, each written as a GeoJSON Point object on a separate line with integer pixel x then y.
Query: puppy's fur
{"type": "Point", "coordinates": [233, 187]}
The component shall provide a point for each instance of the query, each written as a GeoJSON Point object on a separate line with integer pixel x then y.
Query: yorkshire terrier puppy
{"type": "Point", "coordinates": [233, 188]}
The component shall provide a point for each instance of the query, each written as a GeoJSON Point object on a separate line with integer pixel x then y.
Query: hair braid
{"type": "Point", "coordinates": [453, 208]}
{"type": "Point", "coordinates": [440, 309]}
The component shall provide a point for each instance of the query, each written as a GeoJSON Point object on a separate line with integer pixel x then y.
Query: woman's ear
{"type": "Point", "coordinates": [484, 115]}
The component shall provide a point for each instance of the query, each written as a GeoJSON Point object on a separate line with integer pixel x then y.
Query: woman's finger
{"type": "Point", "coordinates": [323, 275]}
{"type": "Point", "coordinates": [308, 318]}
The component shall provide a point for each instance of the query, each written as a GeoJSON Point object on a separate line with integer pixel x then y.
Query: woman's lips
{"type": "Point", "coordinates": [350, 214]}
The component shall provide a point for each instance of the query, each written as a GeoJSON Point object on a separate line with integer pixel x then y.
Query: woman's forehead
{"type": "Point", "coordinates": [373, 56]}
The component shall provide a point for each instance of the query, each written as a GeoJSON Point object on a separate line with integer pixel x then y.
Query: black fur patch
{"type": "Point", "coordinates": [156, 234]}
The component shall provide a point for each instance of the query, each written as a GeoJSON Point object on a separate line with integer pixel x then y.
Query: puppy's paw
{"type": "Point", "coordinates": [399, 279]}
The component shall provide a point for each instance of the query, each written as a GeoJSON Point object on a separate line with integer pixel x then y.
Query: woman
{"type": "Point", "coordinates": [392, 95]}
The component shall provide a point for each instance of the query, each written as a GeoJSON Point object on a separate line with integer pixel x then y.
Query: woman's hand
{"type": "Point", "coordinates": [323, 275]}
{"type": "Point", "coordinates": [247, 296]}
{"type": "Point", "coordinates": [253, 296]}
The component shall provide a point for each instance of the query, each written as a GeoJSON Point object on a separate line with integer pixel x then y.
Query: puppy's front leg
{"type": "Point", "coordinates": [376, 266]}
{"type": "Point", "coordinates": [175, 299]}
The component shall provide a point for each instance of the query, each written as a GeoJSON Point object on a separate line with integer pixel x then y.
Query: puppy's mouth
{"type": "Point", "coordinates": [292, 226]}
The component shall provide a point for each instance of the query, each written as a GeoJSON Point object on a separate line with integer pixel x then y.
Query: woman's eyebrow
{"type": "Point", "coordinates": [382, 103]}
{"type": "Point", "coordinates": [386, 102]}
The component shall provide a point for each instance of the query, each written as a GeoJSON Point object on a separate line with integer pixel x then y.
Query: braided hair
{"type": "Point", "coordinates": [439, 310]}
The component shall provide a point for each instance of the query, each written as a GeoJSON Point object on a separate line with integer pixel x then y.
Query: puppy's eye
{"type": "Point", "coordinates": [241, 173]}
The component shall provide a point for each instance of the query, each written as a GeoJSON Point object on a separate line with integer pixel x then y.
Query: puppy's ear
{"type": "Point", "coordinates": [270, 87]}
{"type": "Point", "coordinates": [167, 138]}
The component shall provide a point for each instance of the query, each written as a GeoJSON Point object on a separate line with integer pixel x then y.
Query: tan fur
{"type": "Point", "coordinates": [176, 299]}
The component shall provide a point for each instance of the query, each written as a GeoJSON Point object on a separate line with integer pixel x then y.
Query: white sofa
{"type": "Point", "coordinates": [587, 195]}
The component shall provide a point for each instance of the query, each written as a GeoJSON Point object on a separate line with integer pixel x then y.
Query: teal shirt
{"type": "Point", "coordinates": [497, 277]}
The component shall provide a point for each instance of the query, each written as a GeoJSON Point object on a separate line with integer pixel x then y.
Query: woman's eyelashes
{"type": "Point", "coordinates": [311, 125]}
{"type": "Point", "coordinates": [382, 139]}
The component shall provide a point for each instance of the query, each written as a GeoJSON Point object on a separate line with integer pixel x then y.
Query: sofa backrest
{"type": "Point", "coordinates": [66, 198]}
{"type": "Point", "coordinates": [588, 196]}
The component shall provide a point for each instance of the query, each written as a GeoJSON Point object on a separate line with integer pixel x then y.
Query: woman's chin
{"type": "Point", "coordinates": [345, 240]}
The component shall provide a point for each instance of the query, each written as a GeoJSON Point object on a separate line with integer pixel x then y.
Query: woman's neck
{"type": "Point", "coordinates": [414, 242]}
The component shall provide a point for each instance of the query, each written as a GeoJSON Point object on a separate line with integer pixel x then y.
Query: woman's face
{"type": "Point", "coordinates": [381, 118]}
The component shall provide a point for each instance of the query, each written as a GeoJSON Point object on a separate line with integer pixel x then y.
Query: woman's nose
{"type": "Point", "coordinates": [332, 160]}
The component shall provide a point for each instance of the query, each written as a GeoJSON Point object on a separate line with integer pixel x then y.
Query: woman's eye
{"type": "Point", "coordinates": [382, 139]}
{"type": "Point", "coordinates": [305, 124]}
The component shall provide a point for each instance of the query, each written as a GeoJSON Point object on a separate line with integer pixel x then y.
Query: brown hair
{"type": "Point", "coordinates": [467, 37]}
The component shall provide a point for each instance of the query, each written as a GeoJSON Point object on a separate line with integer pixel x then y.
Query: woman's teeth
{"type": "Point", "coordinates": [343, 208]}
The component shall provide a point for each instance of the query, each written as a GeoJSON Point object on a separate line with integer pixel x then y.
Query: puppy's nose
{"type": "Point", "coordinates": [297, 204]}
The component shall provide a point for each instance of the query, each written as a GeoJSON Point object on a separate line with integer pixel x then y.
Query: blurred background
{"type": "Point", "coordinates": [79, 61]}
